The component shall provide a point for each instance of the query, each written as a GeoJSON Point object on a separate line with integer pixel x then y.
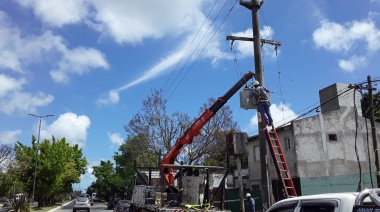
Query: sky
{"type": "Point", "coordinates": [91, 63]}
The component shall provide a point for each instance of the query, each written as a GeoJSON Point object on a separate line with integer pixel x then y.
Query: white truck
{"type": "Point", "coordinates": [366, 201]}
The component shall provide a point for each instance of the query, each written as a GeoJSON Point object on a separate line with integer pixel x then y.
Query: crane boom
{"type": "Point", "coordinates": [196, 127]}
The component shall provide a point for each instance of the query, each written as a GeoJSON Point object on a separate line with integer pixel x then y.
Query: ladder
{"type": "Point", "coordinates": [279, 161]}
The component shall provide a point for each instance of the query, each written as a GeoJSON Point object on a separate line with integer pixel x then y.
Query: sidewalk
{"type": "Point", "coordinates": [61, 206]}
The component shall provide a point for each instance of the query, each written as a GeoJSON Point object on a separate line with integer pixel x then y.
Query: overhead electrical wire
{"type": "Point", "coordinates": [188, 47]}
{"type": "Point", "coordinates": [195, 60]}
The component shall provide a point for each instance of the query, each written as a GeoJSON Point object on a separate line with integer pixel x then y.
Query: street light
{"type": "Point", "coordinates": [37, 150]}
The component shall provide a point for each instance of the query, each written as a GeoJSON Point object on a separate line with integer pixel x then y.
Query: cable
{"type": "Point", "coordinates": [356, 146]}
{"type": "Point", "coordinates": [203, 48]}
{"type": "Point", "coordinates": [188, 47]}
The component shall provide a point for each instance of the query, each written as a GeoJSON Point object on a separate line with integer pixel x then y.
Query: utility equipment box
{"type": "Point", "coordinates": [237, 143]}
{"type": "Point", "coordinates": [247, 102]}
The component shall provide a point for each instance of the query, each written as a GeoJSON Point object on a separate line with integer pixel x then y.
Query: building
{"type": "Point", "coordinates": [325, 152]}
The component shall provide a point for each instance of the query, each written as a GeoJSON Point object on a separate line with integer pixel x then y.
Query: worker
{"type": "Point", "coordinates": [250, 203]}
{"type": "Point", "coordinates": [262, 101]}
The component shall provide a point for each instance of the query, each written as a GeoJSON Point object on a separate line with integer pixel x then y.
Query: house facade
{"type": "Point", "coordinates": [325, 152]}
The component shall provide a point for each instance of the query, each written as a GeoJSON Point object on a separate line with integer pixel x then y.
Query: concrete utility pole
{"type": "Point", "coordinates": [254, 6]}
{"type": "Point", "coordinates": [373, 129]}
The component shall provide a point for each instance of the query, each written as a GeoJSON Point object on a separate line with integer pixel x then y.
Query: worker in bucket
{"type": "Point", "coordinates": [250, 203]}
{"type": "Point", "coordinates": [262, 101]}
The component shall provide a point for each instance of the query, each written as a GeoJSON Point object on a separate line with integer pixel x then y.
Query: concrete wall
{"type": "Point", "coordinates": [333, 184]}
{"type": "Point", "coordinates": [338, 95]}
{"type": "Point", "coordinates": [290, 156]}
{"type": "Point", "coordinates": [318, 155]}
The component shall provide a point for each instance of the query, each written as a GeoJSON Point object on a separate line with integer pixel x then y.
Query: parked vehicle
{"type": "Point", "coordinates": [122, 206]}
{"type": "Point", "coordinates": [95, 197]}
{"type": "Point", "coordinates": [82, 203]}
{"type": "Point", "coordinates": [112, 202]}
{"type": "Point", "coordinates": [367, 200]}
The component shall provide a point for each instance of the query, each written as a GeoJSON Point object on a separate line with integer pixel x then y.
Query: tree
{"type": "Point", "coordinates": [6, 155]}
{"type": "Point", "coordinates": [154, 126]}
{"type": "Point", "coordinates": [6, 179]}
{"type": "Point", "coordinates": [59, 166]}
{"type": "Point", "coordinates": [157, 130]}
{"type": "Point", "coordinates": [108, 182]}
{"type": "Point", "coordinates": [210, 147]}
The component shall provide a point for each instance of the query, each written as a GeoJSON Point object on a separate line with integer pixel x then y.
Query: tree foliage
{"type": "Point", "coordinates": [6, 155]}
{"type": "Point", "coordinates": [209, 147]}
{"type": "Point", "coordinates": [108, 182]}
{"type": "Point", "coordinates": [59, 166]}
{"type": "Point", "coordinates": [153, 130]}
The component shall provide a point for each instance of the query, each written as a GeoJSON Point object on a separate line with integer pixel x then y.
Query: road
{"type": "Point", "coordinates": [98, 206]}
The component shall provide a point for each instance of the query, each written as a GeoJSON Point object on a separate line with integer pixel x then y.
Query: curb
{"type": "Point", "coordinates": [61, 206]}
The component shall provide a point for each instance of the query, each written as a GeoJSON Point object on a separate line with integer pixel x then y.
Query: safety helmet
{"type": "Point", "coordinates": [248, 195]}
{"type": "Point", "coordinates": [256, 82]}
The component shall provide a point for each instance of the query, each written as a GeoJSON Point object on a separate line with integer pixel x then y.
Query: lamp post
{"type": "Point", "coordinates": [37, 150]}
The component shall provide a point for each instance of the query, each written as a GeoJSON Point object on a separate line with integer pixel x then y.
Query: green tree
{"type": "Point", "coordinates": [108, 183]}
{"type": "Point", "coordinates": [6, 179]}
{"type": "Point", "coordinates": [59, 166]}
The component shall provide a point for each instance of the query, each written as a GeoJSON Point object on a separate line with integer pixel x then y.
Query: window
{"type": "Point", "coordinates": [288, 206]}
{"type": "Point", "coordinates": [256, 153]}
{"type": "Point", "coordinates": [333, 137]}
{"type": "Point", "coordinates": [255, 187]}
{"type": "Point", "coordinates": [288, 145]}
{"type": "Point", "coordinates": [319, 205]}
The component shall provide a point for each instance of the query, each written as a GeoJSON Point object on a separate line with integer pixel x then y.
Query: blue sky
{"type": "Point", "coordinates": [92, 62]}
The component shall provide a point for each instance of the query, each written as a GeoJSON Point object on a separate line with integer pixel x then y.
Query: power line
{"type": "Point", "coordinates": [195, 60]}
{"type": "Point", "coordinates": [188, 47]}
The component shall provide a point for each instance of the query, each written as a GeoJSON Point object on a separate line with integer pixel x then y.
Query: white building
{"type": "Point", "coordinates": [325, 152]}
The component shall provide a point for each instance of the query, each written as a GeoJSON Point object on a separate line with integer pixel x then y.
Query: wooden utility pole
{"type": "Point", "coordinates": [254, 6]}
{"type": "Point", "coordinates": [373, 129]}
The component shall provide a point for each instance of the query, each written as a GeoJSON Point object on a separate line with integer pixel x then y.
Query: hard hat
{"type": "Point", "coordinates": [248, 195]}
{"type": "Point", "coordinates": [256, 82]}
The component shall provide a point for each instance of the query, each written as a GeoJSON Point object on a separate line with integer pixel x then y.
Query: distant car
{"type": "Point", "coordinates": [82, 203]}
{"type": "Point", "coordinates": [122, 206]}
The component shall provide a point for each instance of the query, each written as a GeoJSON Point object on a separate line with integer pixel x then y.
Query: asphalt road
{"type": "Point", "coordinates": [98, 206]}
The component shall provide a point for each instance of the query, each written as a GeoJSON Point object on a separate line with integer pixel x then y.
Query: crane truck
{"type": "Point", "coordinates": [190, 192]}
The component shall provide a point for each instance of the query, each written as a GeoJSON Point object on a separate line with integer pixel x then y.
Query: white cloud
{"type": "Point", "coordinates": [70, 126]}
{"type": "Point", "coordinates": [56, 12]}
{"type": "Point", "coordinates": [245, 48]}
{"type": "Point", "coordinates": [355, 62]}
{"type": "Point", "coordinates": [342, 38]}
{"type": "Point", "coordinates": [9, 84]}
{"type": "Point", "coordinates": [115, 138]}
{"type": "Point", "coordinates": [111, 98]}
{"type": "Point", "coordinates": [9, 136]}
{"type": "Point", "coordinates": [12, 98]}
{"type": "Point", "coordinates": [78, 61]}
{"type": "Point", "coordinates": [124, 21]}
{"type": "Point", "coordinates": [19, 50]}
{"type": "Point", "coordinates": [127, 22]}
{"type": "Point", "coordinates": [281, 114]}
{"type": "Point", "coordinates": [87, 178]}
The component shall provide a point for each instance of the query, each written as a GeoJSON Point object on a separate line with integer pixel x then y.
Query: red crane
{"type": "Point", "coordinates": [196, 127]}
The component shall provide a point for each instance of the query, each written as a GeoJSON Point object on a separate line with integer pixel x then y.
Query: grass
{"type": "Point", "coordinates": [50, 207]}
